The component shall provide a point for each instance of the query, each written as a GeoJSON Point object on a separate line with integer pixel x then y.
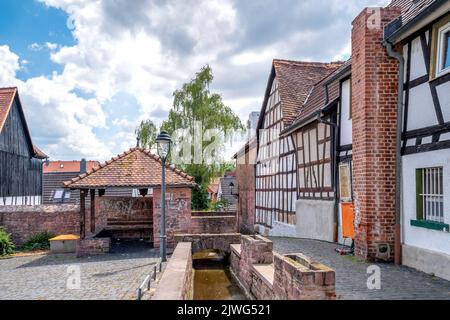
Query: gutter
{"type": "Point", "coordinates": [398, 167]}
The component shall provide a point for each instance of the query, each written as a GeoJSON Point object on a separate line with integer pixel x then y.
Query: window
{"type": "Point", "coordinates": [440, 57]}
{"type": "Point", "coordinates": [443, 59]}
{"type": "Point", "coordinates": [58, 194]}
{"type": "Point", "coordinates": [430, 194]}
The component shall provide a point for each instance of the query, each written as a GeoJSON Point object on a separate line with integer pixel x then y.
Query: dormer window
{"type": "Point", "coordinates": [61, 165]}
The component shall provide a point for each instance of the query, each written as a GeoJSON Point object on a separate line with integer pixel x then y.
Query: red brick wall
{"type": "Point", "coordinates": [374, 102]}
{"type": "Point", "coordinates": [245, 175]}
{"type": "Point", "coordinates": [178, 213]}
{"type": "Point", "coordinates": [22, 222]}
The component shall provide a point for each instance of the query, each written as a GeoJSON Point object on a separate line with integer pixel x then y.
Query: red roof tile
{"type": "Point", "coordinates": [295, 80]}
{"type": "Point", "coordinates": [6, 99]}
{"type": "Point", "coordinates": [68, 166]}
{"type": "Point", "coordinates": [137, 168]}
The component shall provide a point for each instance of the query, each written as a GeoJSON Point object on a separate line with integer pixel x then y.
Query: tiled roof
{"type": "Point", "coordinates": [410, 8]}
{"type": "Point", "coordinates": [6, 99]}
{"type": "Point", "coordinates": [67, 166]}
{"type": "Point", "coordinates": [316, 99]}
{"type": "Point", "coordinates": [137, 168]}
{"type": "Point", "coordinates": [39, 153]}
{"type": "Point", "coordinates": [295, 79]}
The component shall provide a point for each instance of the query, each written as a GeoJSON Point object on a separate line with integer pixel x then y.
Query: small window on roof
{"type": "Point", "coordinates": [61, 165]}
{"type": "Point", "coordinates": [58, 194]}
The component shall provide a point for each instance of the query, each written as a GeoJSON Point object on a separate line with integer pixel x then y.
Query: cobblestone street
{"type": "Point", "coordinates": [351, 274]}
{"type": "Point", "coordinates": [111, 277]}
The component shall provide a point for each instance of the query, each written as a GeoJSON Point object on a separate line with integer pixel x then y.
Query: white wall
{"type": "Point", "coordinates": [315, 219]}
{"type": "Point", "coordinates": [346, 122]}
{"type": "Point", "coordinates": [433, 240]}
{"type": "Point", "coordinates": [19, 201]}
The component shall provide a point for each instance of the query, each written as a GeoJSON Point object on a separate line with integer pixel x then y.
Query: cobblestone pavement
{"type": "Point", "coordinates": [351, 274]}
{"type": "Point", "coordinates": [110, 277]}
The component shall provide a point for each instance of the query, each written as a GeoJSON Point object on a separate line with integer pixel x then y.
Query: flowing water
{"type": "Point", "coordinates": [212, 278]}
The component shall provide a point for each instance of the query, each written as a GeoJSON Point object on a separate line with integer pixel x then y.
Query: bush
{"type": "Point", "coordinates": [6, 244]}
{"type": "Point", "coordinates": [39, 241]}
{"type": "Point", "coordinates": [219, 205]}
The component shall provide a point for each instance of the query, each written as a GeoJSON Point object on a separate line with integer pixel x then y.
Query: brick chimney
{"type": "Point", "coordinates": [374, 111]}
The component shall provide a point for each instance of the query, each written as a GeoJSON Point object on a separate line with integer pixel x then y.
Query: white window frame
{"type": "Point", "coordinates": [440, 51]}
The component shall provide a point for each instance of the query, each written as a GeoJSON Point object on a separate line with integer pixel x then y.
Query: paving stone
{"type": "Point", "coordinates": [109, 277]}
{"type": "Point", "coordinates": [397, 282]}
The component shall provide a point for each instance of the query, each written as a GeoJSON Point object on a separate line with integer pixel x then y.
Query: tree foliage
{"type": "Point", "coordinates": [146, 133]}
{"type": "Point", "coordinates": [194, 103]}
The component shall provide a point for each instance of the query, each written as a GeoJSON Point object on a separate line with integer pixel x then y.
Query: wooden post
{"type": "Point", "coordinates": [93, 211]}
{"type": "Point", "coordinates": [82, 214]}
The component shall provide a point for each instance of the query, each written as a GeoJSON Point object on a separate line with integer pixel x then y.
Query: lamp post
{"type": "Point", "coordinates": [164, 142]}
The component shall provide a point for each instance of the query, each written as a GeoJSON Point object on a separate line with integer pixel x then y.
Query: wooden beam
{"type": "Point", "coordinates": [83, 214]}
{"type": "Point", "coordinates": [93, 211]}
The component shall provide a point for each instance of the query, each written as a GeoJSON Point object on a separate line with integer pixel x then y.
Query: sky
{"type": "Point", "coordinates": [88, 71]}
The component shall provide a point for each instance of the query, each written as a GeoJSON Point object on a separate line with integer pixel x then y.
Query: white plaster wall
{"type": "Point", "coordinates": [346, 123]}
{"type": "Point", "coordinates": [418, 67]}
{"type": "Point", "coordinates": [421, 111]}
{"type": "Point", "coordinates": [280, 229]}
{"type": "Point", "coordinates": [433, 240]}
{"type": "Point", "coordinates": [315, 219]}
{"type": "Point", "coordinates": [443, 92]}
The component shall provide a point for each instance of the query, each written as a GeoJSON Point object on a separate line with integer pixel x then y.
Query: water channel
{"type": "Point", "coordinates": [212, 277]}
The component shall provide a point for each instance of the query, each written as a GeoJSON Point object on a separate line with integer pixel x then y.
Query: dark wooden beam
{"type": "Point", "coordinates": [101, 192]}
{"type": "Point", "coordinates": [83, 194]}
{"type": "Point", "coordinates": [93, 211]}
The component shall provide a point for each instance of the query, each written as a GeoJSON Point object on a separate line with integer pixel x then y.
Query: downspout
{"type": "Point", "coordinates": [334, 125]}
{"type": "Point", "coordinates": [398, 167]}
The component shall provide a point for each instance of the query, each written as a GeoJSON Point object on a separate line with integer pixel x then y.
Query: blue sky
{"type": "Point", "coordinates": [89, 71]}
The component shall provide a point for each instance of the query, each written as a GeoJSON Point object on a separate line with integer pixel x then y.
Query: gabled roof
{"type": "Point", "coordinates": [7, 96]}
{"type": "Point", "coordinates": [68, 166]}
{"type": "Point", "coordinates": [39, 154]}
{"type": "Point", "coordinates": [137, 168]}
{"type": "Point", "coordinates": [415, 15]}
{"type": "Point", "coordinates": [295, 79]}
{"type": "Point", "coordinates": [6, 100]}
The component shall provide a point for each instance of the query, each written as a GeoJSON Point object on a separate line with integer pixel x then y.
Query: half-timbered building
{"type": "Point", "coordinates": [289, 85]}
{"type": "Point", "coordinates": [423, 34]}
{"type": "Point", "coordinates": [20, 161]}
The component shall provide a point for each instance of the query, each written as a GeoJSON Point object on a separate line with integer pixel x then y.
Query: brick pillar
{"type": "Point", "coordinates": [374, 112]}
{"type": "Point", "coordinates": [178, 214]}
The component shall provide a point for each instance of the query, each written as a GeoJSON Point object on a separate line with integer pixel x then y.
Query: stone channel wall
{"type": "Point", "coordinates": [213, 222]}
{"type": "Point", "coordinates": [22, 222]}
{"type": "Point", "coordinates": [202, 242]}
{"type": "Point", "coordinates": [264, 274]}
{"type": "Point", "coordinates": [177, 282]}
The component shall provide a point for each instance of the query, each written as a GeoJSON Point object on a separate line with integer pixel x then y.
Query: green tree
{"type": "Point", "coordinates": [146, 133]}
{"type": "Point", "coordinates": [194, 103]}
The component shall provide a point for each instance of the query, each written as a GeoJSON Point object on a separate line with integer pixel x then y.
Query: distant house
{"type": "Point", "coordinates": [54, 175]}
{"type": "Point", "coordinates": [213, 189]}
{"type": "Point", "coordinates": [228, 190]}
{"type": "Point", "coordinates": [20, 160]}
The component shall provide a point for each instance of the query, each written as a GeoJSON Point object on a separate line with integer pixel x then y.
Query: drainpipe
{"type": "Point", "coordinates": [334, 125]}
{"type": "Point", "coordinates": [398, 168]}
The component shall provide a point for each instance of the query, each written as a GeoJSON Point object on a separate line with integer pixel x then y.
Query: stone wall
{"type": "Point", "coordinates": [122, 209]}
{"type": "Point", "coordinates": [177, 282]}
{"type": "Point", "coordinates": [374, 116]}
{"type": "Point", "coordinates": [178, 213]}
{"type": "Point", "coordinates": [213, 223]}
{"type": "Point", "coordinates": [92, 247]}
{"type": "Point", "coordinates": [22, 222]}
{"type": "Point", "coordinates": [202, 242]}
{"type": "Point", "coordinates": [267, 275]}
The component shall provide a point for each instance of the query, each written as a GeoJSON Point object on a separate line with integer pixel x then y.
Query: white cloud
{"type": "Point", "coordinates": [147, 49]}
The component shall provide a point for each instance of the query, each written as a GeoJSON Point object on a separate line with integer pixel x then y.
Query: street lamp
{"type": "Point", "coordinates": [164, 142]}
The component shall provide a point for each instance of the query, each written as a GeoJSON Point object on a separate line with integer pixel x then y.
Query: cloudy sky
{"type": "Point", "coordinates": [89, 70]}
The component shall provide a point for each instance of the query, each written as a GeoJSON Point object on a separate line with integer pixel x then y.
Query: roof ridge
{"type": "Point", "coordinates": [123, 155]}
{"type": "Point", "coordinates": [309, 63]}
